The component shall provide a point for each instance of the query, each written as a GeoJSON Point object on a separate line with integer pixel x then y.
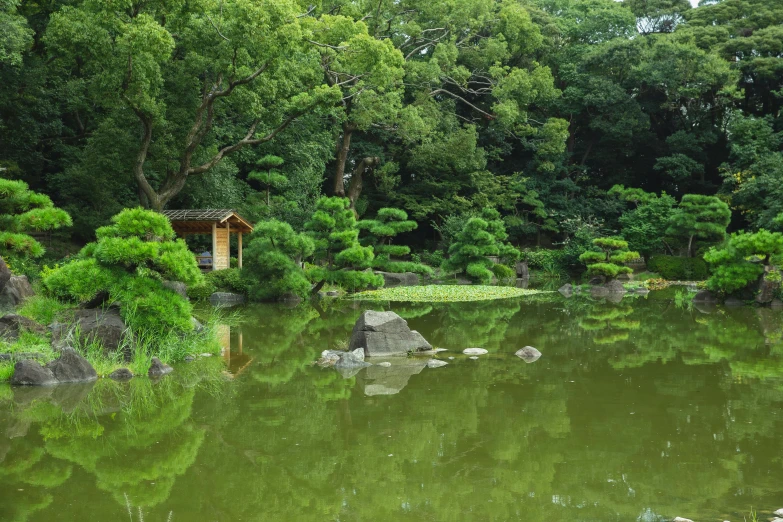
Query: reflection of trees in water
{"type": "Point", "coordinates": [610, 323]}
{"type": "Point", "coordinates": [673, 420]}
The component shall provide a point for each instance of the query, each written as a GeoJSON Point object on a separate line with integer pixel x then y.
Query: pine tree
{"type": "Point", "coordinates": [341, 258]}
{"type": "Point", "coordinates": [382, 230]}
{"type": "Point", "coordinates": [23, 211]}
{"type": "Point", "coordinates": [481, 238]}
{"type": "Point", "coordinates": [702, 217]}
{"type": "Point", "coordinates": [608, 262]}
{"type": "Point", "coordinates": [268, 175]}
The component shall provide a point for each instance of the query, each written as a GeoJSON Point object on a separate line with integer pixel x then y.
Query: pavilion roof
{"type": "Point", "coordinates": [199, 221]}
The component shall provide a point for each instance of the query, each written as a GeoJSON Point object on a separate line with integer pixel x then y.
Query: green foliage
{"type": "Point", "coordinates": [42, 309]}
{"type": "Point", "coordinates": [227, 280]}
{"type": "Point", "coordinates": [481, 238]}
{"type": "Point", "coordinates": [334, 231]}
{"type": "Point", "coordinates": [23, 211]}
{"type": "Point", "coordinates": [609, 257]}
{"type": "Point", "coordinates": [540, 258]}
{"type": "Point", "coordinates": [741, 261]}
{"type": "Point", "coordinates": [675, 268]}
{"type": "Point", "coordinates": [273, 261]}
{"type": "Point", "coordinates": [129, 262]}
{"type": "Point", "coordinates": [702, 217]}
{"type": "Point", "coordinates": [644, 227]}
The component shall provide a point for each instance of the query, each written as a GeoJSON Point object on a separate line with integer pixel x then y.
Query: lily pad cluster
{"type": "Point", "coordinates": [443, 293]}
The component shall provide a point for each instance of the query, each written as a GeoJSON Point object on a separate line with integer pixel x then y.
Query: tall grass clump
{"type": "Point", "coordinates": [42, 309]}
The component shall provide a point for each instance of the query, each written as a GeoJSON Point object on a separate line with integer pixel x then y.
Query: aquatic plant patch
{"type": "Point", "coordinates": [443, 293]}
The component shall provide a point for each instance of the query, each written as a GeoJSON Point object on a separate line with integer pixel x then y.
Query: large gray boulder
{"type": "Point", "coordinates": [5, 274]}
{"type": "Point", "coordinates": [391, 279]}
{"type": "Point", "coordinates": [226, 299]}
{"type": "Point", "coordinates": [31, 373]}
{"type": "Point", "coordinates": [768, 287]}
{"type": "Point", "coordinates": [177, 287]}
{"type": "Point", "coordinates": [385, 334]}
{"type": "Point", "coordinates": [72, 367]}
{"type": "Point", "coordinates": [12, 325]}
{"type": "Point", "coordinates": [615, 286]}
{"type": "Point", "coordinates": [105, 327]}
{"type": "Point", "coordinates": [523, 272]}
{"type": "Point", "coordinates": [15, 291]}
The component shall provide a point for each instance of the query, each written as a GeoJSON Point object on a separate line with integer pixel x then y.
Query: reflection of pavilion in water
{"type": "Point", "coordinates": [236, 360]}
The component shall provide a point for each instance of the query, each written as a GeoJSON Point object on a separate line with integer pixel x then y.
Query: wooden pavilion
{"type": "Point", "coordinates": [221, 223]}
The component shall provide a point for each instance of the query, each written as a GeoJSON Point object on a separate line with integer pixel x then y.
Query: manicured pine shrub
{"type": "Point", "coordinates": [608, 257]}
{"type": "Point", "coordinates": [382, 230]}
{"type": "Point", "coordinates": [341, 258]}
{"type": "Point", "coordinates": [741, 261]}
{"type": "Point", "coordinates": [129, 262]}
{"type": "Point", "coordinates": [699, 217]}
{"type": "Point", "coordinates": [23, 211]}
{"type": "Point", "coordinates": [481, 238]}
{"type": "Point", "coordinates": [273, 261]}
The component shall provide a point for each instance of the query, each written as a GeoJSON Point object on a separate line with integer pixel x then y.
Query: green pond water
{"type": "Point", "coordinates": [637, 410]}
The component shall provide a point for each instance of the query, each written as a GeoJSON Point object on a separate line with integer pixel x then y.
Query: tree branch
{"type": "Point", "coordinates": [463, 100]}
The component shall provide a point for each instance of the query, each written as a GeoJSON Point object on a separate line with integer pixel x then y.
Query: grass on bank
{"type": "Point", "coordinates": [443, 293]}
{"type": "Point", "coordinates": [135, 353]}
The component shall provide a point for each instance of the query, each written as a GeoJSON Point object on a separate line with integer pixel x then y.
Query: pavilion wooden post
{"type": "Point", "coordinates": [228, 244]}
{"type": "Point", "coordinates": [239, 248]}
{"type": "Point", "coordinates": [214, 244]}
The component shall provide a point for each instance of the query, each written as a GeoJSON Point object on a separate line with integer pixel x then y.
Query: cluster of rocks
{"type": "Point", "coordinates": [386, 339]}
{"type": "Point", "coordinates": [13, 289]}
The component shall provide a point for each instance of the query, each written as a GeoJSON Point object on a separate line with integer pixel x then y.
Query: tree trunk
{"type": "Point", "coordinates": [690, 246]}
{"type": "Point", "coordinates": [342, 158]}
{"type": "Point", "coordinates": [357, 178]}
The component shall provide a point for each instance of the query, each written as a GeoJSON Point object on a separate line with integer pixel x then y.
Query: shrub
{"type": "Point", "coordinates": [128, 263]}
{"type": "Point", "coordinates": [675, 268]}
{"type": "Point", "coordinates": [741, 260]}
{"type": "Point", "coordinates": [202, 290]}
{"type": "Point", "coordinates": [503, 272]}
{"type": "Point", "coordinates": [23, 211]}
{"type": "Point", "coordinates": [273, 268]}
{"type": "Point", "coordinates": [702, 217]}
{"type": "Point", "coordinates": [542, 258]}
{"type": "Point", "coordinates": [227, 280]}
{"type": "Point", "coordinates": [609, 260]}
{"type": "Point", "coordinates": [434, 258]}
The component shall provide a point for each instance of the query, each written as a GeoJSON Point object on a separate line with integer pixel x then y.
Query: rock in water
{"type": "Point", "coordinates": [474, 357]}
{"type": "Point", "coordinates": [158, 369]}
{"type": "Point", "coordinates": [768, 287]}
{"type": "Point", "coordinates": [30, 373]}
{"type": "Point", "coordinates": [385, 334]}
{"type": "Point", "coordinates": [72, 367]}
{"type": "Point", "coordinates": [567, 290]}
{"type": "Point", "coordinates": [121, 374]}
{"type": "Point", "coordinates": [615, 287]}
{"type": "Point", "coordinates": [680, 519]}
{"type": "Point", "coordinates": [385, 364]}
{"type": "Point", "coordinates": [523, 272]}
{"type": "Point", "coordinates": [329, 357]}
{"type": "Point", "coordinates": [528, 354]}
{"type": "Point", "coordinates": [350, 360]}
{"type": "Point", "coordinates": [475, 351]}
{"type": "Point", "coordinates": [226, 299]}
{"type": "Point", "coordinates": [778, 513]}
{"type": "Point", "coordinates": [435, 363]}
{"type": "Point", "coordinates": [12, 325]}
{"type": "Point", "coordinates": [705, 296]}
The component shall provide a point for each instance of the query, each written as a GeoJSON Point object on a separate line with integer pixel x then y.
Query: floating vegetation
{"type": "Point", "coordinates": [443, 293]}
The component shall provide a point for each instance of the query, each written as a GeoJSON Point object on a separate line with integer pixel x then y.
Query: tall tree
{"type": "Point", "coordinates": [702, 217]}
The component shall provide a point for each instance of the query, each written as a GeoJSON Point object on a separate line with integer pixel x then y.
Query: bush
{"type": "Point", "coordinates": [675, 268]}
{"type": "Point", "coordinates": [128, 263]}
{"type": "Point", "coordinates": [227, 280]}
{"type": "Point", "coordinates": [609, 260]}
{"type": "Point", "coordinates": [742, 259]}
{"type": "Point", "coordinates": [504, 272]}
{"type": "Point", "coordinates": [434, 258]}
{"type": "Point", "coordinates": [202, 290]}
{"type": "Point", "coordinates": [542, 258]}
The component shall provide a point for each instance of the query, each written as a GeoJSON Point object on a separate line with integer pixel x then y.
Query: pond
{"type": "Point", "coordinates": [639, 410]}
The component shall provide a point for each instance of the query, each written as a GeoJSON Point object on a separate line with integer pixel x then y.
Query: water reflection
{"type": "Point", "coordinates": [637, 410]}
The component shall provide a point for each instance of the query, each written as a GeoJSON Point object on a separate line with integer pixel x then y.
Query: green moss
{"type": "Point", "coordinates": [443, 293]}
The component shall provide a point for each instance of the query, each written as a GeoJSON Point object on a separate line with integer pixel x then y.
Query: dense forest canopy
{"type": "Point", "coordinates": [439, 108]}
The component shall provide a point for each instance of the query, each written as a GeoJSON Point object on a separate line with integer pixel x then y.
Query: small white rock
{"type": "Point", "coordinates": [779, 512]}
{"type": "Point", "coordinates": [474, 351]}
{"type": "Point", "coordinates": [206, 355]}
{"type": "Point", "coordinates": [473, 357]}
{"type": "Point", "coordinates": [437, 350]}
{"type": "Point", "coordinates": [451, 358]}
{"type": "Point", "coordinates": [385, 364]}
{"type": "Point", "coordinates": [435, 363]}
{"type": "Point", "coordinates": [680, 519]}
